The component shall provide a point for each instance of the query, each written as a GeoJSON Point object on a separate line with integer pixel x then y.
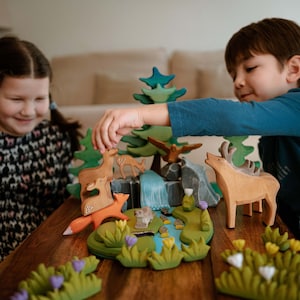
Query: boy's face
{"type": "Point", "coordinates": [260, 78]}
{"type": "Point", "coordinates": [24, 103]}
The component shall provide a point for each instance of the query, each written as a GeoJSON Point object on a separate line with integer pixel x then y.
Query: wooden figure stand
{"type": "Point", "coordinates": [243, 185]}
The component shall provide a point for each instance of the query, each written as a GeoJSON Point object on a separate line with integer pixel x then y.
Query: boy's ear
{"type": "Point", "coordinates": [293, 69]}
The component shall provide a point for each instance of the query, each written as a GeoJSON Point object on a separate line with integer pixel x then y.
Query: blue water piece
{"type": "Point", "coordinates": [153, 191]}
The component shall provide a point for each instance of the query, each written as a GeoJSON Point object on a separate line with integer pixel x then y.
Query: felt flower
{"type": "Point", "coordinates": [121, 224]}
{"type": "Point", "coordinates": [130, 240]}
{"type": "Point", "coordinates": [56, 281]}
{"type": "Point", "coordinates": [21, 295]}
{"type": "Point", "coordinates": [203, 205]}
{"type": "Point", "coordinates": [295, 245]}
{"type": "Point", "coordinates": [267, 272]}
{"type": "Point", "coordinates": [271, 248]}
{"type": "Point", "coordinates": [239, 244]}
{"type": "Point", "coordinates": [169, 242]}
{"type": "Point", "coordinates": [236, 260]}
{"type": "Point", "coordinates": [78, 265]}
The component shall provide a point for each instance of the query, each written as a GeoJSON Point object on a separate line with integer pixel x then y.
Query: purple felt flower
{"type": "Point", "coordinates": [130, 240]}
{"type": "Point", "coordinates": [78, 265]}
{"type": "Point", "coordinates": [203, 205]}
{"type": "Point", "coordinates": [56, 281]}
{"type": "Point", "coordinates": [21, 295]}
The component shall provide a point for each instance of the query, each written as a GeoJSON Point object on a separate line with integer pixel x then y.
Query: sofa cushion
{"type": "Point", "coordinates": [214, 81]}
{"type": "Point", "coordinates": [74, 75]}
{"type": "Point", "coordinates": [185, 65]}
{"type": "Point", "coordinates": [110, 88]}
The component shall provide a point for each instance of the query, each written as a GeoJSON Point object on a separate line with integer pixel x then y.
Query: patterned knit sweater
{"type": "Point", "coordinates": [33, 179]}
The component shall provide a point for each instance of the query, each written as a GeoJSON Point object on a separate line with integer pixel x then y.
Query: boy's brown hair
{"type": "Point", "coordinates": [275, 36]}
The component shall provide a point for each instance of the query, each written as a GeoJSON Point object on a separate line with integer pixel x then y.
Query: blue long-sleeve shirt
{"type": "Point", "coordinates": [276, 120]}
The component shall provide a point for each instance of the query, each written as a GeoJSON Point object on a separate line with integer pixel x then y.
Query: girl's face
{"type": "Point", "coordinates": [24, 103]}
{"type": "Point", "coordinates": [260, 78]}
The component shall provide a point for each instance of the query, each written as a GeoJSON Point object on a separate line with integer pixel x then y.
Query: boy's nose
{"type": "Point", "coordinates": [239, 82]}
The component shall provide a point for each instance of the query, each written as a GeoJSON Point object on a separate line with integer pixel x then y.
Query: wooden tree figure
{"type": "Point", "coordinates": [138, 141]}
{"type": "Point", "coordinates": [242, 150]}
{"type": "Point", "coordinates": [89, 156]}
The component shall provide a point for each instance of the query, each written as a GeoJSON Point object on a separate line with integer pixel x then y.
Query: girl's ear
{"type": "Point", "coordinates": [293, 69]}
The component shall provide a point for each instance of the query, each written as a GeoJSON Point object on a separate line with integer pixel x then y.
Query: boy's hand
{"type": "Point", "coordinates": [114, 124]}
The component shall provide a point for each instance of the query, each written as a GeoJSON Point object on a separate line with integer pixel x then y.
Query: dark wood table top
{"type": "Point", "coordinates": [193, 280]}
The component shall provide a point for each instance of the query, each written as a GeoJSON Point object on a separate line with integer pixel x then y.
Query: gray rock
{"type": "Point", "coordinates": [194, 176]}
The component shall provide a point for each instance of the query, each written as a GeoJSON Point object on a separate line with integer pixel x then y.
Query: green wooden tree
{"type": "Point", "coordinates": [89, 156]}
{"type": "Point", "coordinates": [242, 150]}
{"type": "Point", "coordinates": [138, 144]}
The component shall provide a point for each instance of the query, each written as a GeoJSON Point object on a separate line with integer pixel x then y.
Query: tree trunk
{"type": "Point", "coordinates": [156, 164]}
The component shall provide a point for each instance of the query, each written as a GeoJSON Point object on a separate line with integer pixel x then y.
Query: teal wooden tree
{"type": "Point", "coordinates": [89, 156]}
{"type": "Point", "coordinates": [138, 144]}
{"type": "Point", "coordinates": [242, 150]}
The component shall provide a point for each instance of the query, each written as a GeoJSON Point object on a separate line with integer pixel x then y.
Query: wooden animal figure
{"type": "Point", "coordinates": [127, 160]}
{"type": "Point", "coordinates": [102, 199]}
{"type": "Point", "coordinates": [172, 151]}
{"type": "Point", "coordinates": [243, 185]}
{"type": "Point", "coordinates": [113, 210]}
{"type": "Point", "coordinates": [143, 216]}
{"type": "Point", "coordinates": [95, 184]}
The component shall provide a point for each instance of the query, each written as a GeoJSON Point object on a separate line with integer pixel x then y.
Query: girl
{"type": "Point", "coordinates": [35, 153]}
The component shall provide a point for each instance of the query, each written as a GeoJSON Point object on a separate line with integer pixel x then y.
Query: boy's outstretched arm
{"type": "Point", "coordinates": [114, 124]}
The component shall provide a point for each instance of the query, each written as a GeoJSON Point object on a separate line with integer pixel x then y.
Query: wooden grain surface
{"type": "Point", "coordinates": [188, 281]}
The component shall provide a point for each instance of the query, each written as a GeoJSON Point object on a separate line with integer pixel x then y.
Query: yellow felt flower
{"type": "Point", "coordinates": [271, 248]}
{"type": "Point", "coordinates": [121, 224]}
{"type": "Point", "coordinates": [295, 245]}
{"type": "Point", "coordinates": [169, 242]}
{"type": "Point", "coordinates": [239, 244]}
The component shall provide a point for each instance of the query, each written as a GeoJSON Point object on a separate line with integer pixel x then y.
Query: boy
{"type": "Point", "coordinates": [263, 60]}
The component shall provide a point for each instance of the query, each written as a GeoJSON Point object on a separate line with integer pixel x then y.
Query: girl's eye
{"type": "Point", "coordinates": [40, 99]}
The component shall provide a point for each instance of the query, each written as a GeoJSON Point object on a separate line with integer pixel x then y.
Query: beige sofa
{"type": "Point", "coordinates": [85, 85]}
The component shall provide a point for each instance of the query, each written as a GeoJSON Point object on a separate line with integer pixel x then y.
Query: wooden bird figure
{"type": "Point", "coordinates": [172, 151]}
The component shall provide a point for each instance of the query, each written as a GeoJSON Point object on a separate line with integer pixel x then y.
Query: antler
{"type": "Point", "coordinates": [247, 167]}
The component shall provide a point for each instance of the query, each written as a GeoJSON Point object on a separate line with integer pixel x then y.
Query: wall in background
{"type": "Point", "coordinates": [62, 27]}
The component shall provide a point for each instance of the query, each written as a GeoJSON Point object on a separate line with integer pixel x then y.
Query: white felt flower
{"type": "Point", "coordinates": [267, 272]}
{"type": "Point", "coordinates": [236, 260]}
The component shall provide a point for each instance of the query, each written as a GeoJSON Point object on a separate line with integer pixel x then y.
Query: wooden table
{"type": "Point", "coordinates": [189, 281]}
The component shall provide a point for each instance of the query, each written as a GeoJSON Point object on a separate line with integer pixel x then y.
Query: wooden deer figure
{"type": "Point", "coordinates": [102, 199]}
{"type": "Point", "coordinates": [97, 180]}
{"type": "Point", "coordinates": [127, 160]}
{"type": "Point", "coordinates": [243, 185]}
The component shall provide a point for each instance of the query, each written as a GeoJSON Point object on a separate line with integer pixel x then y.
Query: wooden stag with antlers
{"type": "Point", "coordinates": [243, 185]}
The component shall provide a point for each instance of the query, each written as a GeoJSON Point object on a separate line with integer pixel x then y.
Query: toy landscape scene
{"type": "Point", "coordinates": [159, 217]}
